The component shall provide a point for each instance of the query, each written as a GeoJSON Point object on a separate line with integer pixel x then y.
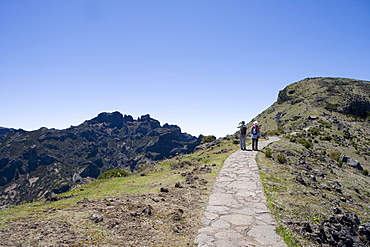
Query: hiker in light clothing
{"type": "Point", "coordinates": [255, 133]}
{"type": "Point", "coordinates": [243, 135]}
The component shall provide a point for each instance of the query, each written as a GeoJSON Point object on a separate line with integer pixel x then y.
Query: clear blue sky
{"type": "Point", "coordinates": [203, 65]}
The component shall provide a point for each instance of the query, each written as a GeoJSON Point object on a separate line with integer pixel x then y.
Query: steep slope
{"type": "Point", "coordinates": [316, 178]}
{"type": "Point", "coordinates": [36, 164]}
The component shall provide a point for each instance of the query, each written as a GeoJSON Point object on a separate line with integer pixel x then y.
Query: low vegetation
{"type": "Point", "coordinates": [159, 206]}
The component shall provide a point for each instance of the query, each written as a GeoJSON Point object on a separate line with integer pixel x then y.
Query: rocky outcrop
{"type": "Point", "coordinates": [340, 229]}
{"type": "Point", "coordinates": [351, 162]}
{"type": "Point", "coordinates": [61, 158]}
{"type": "Point", "coordinates": [358, 106]}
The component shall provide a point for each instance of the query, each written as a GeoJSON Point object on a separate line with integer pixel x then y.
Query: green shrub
{"type": "Point", "coordinates": [365, 172]}
{"type": "Point", "coordinates": [292, 139]}
{"type": "Point", "coordinates": [326, 138]}
{"type": "Point", "coordinates": [314, 131]}
{"type": "Point", "coordinates": [208, 139]}
{"type": "Point", "coordinates": [305, 143]}
{"type": "Point", "coordinates": [268, 153]}
{"type": "Point", "coordinates": [335, 155]}
{"type": "Point", "coordinates": [325, 124]}
{"type": "Point", "coordinates": [332, 106]}
{"type": "Point", "coordinates": [114, 174]}
{"type": "Point", "coordinates": [279, 131]}
{"type": "Point", "coordinates": [340, 163]}
{"type": "Point", "coordinates": [281, 158]}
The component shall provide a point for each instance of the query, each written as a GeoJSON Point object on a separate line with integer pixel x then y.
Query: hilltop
{"type": "Point", "coordinates": [316, 178]}
{"type": "Point", "coordinates": [37, 164]}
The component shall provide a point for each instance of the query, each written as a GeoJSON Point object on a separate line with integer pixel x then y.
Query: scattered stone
{"type": "Point", "coordinates": [223, 151]}
{"type": "Point", "coordinates": [96, 218]}
{"type": "Point", "coordinates": [147, 211]}
{"type": "Point", "coordinates": [300, 180]}
{"type": "Point", "coordinates": [176, 216]}
{"type": "Point", "coordinates": [190, 179]}
{"type": "Point", "coordinates": [77, 179]}
{"type": "Point", "coordinates": [51, 199]}
{"type": "Point", "coordinates": [84, 201]}
{"type": "Point", "coordinates": [337, 211]}
{"type": "Point", "coordinates": [134, 214]}
{"type": "Point", "coordinates": [202, 181]}
{"type": "Point", "coordinates": [178, 185]}
{"type": "Point", "coordinates": [165, 190]}
{"type": "Point", "coordinates": [364, 230]}
{"type": "Point", "coordinates": [205, 169]}
{"type": "Point", "coordinates": [318, 173]}
{"type": "Point", "coordinates": [182, 164]}
{"type": "Point", "coordinates": [33, 226]}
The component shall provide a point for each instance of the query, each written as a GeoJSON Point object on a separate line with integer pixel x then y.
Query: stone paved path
{"type": "Point", "coordinates": [236, 214]}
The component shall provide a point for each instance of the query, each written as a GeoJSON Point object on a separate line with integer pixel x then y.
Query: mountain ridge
{"type": "Point", "coordinates": [38, 163]}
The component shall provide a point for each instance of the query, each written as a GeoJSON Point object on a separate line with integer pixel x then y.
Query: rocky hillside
{"type": "Point", "coordinates": [35, 164]}
{"type": "Point", "coordinates": [316, 178]}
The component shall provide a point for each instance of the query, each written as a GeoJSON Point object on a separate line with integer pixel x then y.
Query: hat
{"type": "Point", "coordinates": [255, 123]}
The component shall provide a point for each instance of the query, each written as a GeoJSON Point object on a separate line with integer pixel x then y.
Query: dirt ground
{"type": "Point", "coordinates": [168, 217]}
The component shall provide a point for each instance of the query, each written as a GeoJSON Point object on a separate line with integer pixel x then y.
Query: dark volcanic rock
{"type": "Point", "coordinates": [34, 164]}
{"type": "Point", "coordinates": [342, 230]}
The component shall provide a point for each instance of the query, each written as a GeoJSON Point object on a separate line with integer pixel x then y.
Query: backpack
{"type": "Point", "coordinates": [243, 130]}
{"type": "Point", "coordinates": [254, 130]}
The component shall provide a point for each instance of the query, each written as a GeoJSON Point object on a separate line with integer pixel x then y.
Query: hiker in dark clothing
{"type": "Point", "coordinates": [243, 135]}
{"type": "Point", "coordinates": [255, 133]}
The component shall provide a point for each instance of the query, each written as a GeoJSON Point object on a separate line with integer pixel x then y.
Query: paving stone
{"type": "Point", "coordinates": [238, 219]}
{"type": "Point", "coordinates": [221, 199]}
{"type": "Point", "coordinates": [221, 224]}
{"type": "Point", "coordinates": [236, 214]}
{"type": "Point", "coordinates": [203, 238]}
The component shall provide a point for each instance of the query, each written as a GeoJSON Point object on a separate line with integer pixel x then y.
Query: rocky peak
{"type": "Point", "coordinates": [115, 119]}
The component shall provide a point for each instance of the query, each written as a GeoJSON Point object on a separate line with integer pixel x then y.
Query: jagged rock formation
{"type": "Point", "coordinates": [321, 165]}
{"type": "Point", "coordinates": [35, 164]}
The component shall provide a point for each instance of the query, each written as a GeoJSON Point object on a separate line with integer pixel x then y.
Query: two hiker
{"type": "Point", "coordinates": [255, 133]}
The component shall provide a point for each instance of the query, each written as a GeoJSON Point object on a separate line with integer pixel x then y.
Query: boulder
{"type": "Point", "coordinates": [96, 218]}
{"type": "Point", "coordinates": [351, 162]}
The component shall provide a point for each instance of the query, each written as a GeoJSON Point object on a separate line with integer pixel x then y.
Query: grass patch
{"type": "Point", "coordinates": [287, 235]}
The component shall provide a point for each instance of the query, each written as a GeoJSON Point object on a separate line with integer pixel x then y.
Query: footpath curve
{"type": "Point", "coordinates": [236, 214]}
